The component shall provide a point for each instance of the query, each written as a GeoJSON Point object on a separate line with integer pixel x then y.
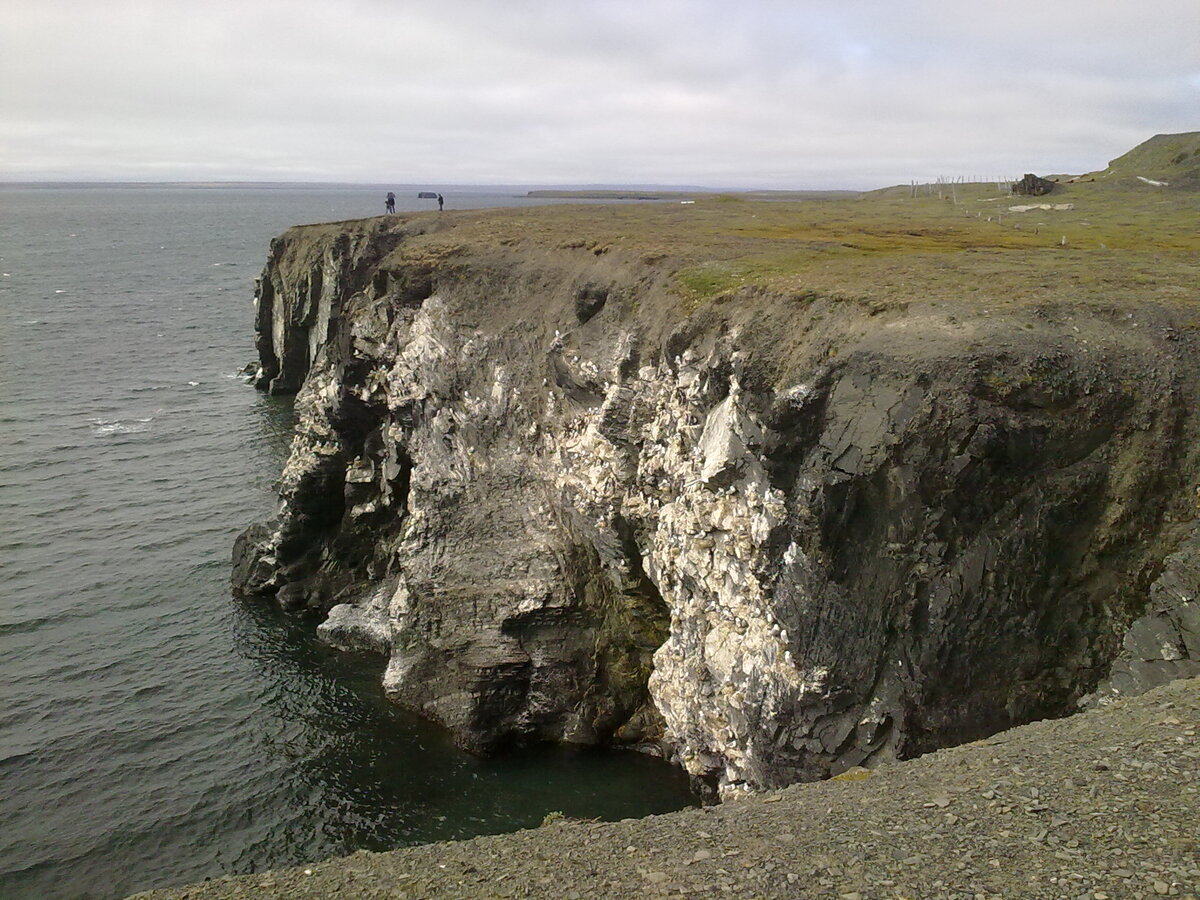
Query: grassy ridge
{"type": "Point", "coordinates": [1166, 157]}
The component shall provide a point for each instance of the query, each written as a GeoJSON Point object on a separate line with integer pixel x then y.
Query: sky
{"type": "Point", "coordinates": [729, 94]}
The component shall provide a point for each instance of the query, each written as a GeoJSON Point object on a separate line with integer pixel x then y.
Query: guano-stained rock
{"type": "Point", "coordinates": [613, 522]}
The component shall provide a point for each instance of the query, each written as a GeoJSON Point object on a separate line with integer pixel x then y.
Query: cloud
{"type": "Point", "coordinates": [779, 94]}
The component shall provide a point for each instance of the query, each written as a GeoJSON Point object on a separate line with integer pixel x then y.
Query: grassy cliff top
{"type": "Point", "coordinates": [1090, 242]}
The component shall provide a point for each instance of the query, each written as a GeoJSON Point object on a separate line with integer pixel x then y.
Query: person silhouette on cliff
{"type": "Point", "coordinates": [390, 204]}
{"type": "Point", "coordinates": [441, 202]}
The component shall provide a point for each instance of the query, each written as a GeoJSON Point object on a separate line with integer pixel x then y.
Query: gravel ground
{"type": "Point", "coordinates": [1105, 804]}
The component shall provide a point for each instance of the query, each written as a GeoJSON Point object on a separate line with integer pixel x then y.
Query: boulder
{"type": "Point", "coordinates": [1032, 186]}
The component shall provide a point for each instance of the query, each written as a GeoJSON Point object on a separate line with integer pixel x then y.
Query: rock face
{"type": "Point", "coordinates": [1164, 643]}
{"type": "Point", "coordinates": [776, 537]}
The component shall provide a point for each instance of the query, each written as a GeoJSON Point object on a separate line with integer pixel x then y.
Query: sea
{"type": "Point", "coordinates": [155, 731]}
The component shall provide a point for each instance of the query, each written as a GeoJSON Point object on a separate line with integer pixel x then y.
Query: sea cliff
{"type": "Point", "coordinates": [775, 490]}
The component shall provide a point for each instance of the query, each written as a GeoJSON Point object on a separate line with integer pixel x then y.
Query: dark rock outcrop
{"type": "Point", "coordinates": [1164, 643]}
{"type": "Point", "coordinates": [1033, 186]}
{"type": "Point", "coordinates": [777, 539]}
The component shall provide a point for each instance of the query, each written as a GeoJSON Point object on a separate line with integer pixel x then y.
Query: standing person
{"type": "Point", "coordinates": [390, 204]}
{"type": "Point", "coordinates": [441, 202]}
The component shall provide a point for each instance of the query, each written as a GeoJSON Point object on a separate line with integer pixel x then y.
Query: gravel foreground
{"type": "Point", "coordinates": [1105, 804]}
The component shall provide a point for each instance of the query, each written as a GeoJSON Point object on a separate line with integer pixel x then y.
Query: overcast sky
{"type": "Point", "coordinates": [736, 93]}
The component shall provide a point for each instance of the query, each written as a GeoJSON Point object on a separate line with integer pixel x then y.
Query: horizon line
{"type": "Point", "coordinates": [526, 185]}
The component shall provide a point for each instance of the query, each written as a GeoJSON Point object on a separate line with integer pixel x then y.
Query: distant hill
{"type": "Point", "coordinates": [1173, 158]}
{"type": "Point", "coordinates": [680, 194]}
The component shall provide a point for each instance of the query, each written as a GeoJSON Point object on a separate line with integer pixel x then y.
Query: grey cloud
{"type": "Point", "coordinates": [783, 94]}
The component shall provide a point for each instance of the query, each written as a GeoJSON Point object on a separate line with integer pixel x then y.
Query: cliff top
{"type": "Point", "coordinates": [1099, 805]}
{"type": "Point", "coordinates": [955, 272]}
{"type": "Point", "coordinates": [1085, 243]}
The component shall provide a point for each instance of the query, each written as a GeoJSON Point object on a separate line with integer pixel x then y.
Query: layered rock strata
{"type": "Point", "coordinates": [775, 536]}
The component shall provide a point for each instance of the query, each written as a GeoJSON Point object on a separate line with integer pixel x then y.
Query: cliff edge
{"type": "Point", "coordinates": [776, 490]}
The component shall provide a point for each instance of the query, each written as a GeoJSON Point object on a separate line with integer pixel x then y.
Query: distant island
{"type": "Point", "coordinates": [617, 194]}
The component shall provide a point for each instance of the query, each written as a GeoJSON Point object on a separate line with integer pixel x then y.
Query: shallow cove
{"type": "Point", "coordinates": [152, 731]}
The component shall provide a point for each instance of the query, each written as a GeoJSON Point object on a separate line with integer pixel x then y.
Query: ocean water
{"type": "Point", "coordinates": [153, 730]}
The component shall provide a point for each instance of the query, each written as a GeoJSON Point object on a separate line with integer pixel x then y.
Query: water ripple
{"type": "Point", "coordinates": [154, 731]}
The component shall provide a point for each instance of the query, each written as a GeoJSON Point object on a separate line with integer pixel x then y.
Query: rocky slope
{"type": "Point", "coordinates": [773, 532]}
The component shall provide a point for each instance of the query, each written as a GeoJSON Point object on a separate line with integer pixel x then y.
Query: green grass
{"type": "Point", "coordinates": [1118, 241]}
